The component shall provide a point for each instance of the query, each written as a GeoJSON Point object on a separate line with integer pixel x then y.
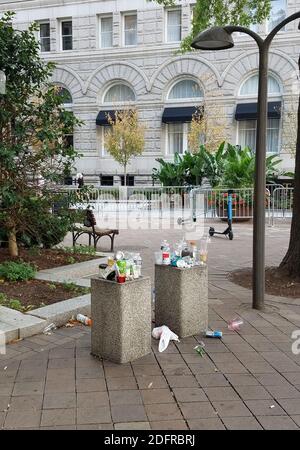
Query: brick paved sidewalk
{"type": "Point", "coordinates": [249, 380]}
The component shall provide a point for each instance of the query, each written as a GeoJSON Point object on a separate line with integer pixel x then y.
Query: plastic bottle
{"type": "Point", "coordinates": [166, 253]}
{"type": "Point", "coordinates": [84, 319]}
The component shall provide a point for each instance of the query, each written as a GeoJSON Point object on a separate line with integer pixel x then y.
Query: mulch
{"type": "Point", "coordinates": [44, 258]}
{"type": "Point", "coordinates": [277, 282]}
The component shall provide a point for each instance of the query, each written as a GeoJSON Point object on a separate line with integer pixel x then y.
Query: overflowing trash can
{"type": "Point", "coordinates": [121, 319]}
{"type": "Point", "coordinates": [181, 298]}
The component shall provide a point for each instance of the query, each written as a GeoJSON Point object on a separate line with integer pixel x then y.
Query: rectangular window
{"type": "Point", "coordinates": [130, 29]}
{"type": "Point", "coordinates": [174, 25]}
{"type": "Point", "coordinates": [106, 32]}
{"type": "Point", "coordinates": [278, 13]}
{"type": "Point", "coordinates": [247, 134]}
{"type": "Point", "coordinates": [67, 35]}
{"type": "Point", "coordinates": [107, 180]}
{"type": "Point", "coordinates": [178, 138]}
{"type": "Point", "coordinates": [44, 33]}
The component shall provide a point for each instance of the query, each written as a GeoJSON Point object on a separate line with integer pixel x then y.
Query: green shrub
{"type": "Point", "coordinates": [48, 232]}
{"type": "Point", "coordinates": [17, 271]}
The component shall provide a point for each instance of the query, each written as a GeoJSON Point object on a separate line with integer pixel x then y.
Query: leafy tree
{"type": "Point", "coordinates": [125, 139]}
{"type": "Point", "coordinates": [208, 13]}
{"type": "Point", "coordinates": [33, 127]}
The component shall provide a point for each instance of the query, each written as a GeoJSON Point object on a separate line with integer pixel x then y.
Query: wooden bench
{"type": "Point", "coordinates": [90, 228]}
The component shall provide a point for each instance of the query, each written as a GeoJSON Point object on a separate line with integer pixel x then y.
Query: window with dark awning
{"type": "Point", "coordinates": [248, 111]}
{"type": "Point", "coordinates": [173, 115]}
{"type": "Point", "coordinates": [102, 118]}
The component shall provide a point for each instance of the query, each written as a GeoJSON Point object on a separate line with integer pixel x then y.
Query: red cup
{"type": "Point", "coordinates": [121, 279]}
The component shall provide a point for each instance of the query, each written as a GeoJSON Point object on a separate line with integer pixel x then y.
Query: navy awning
{"type": "Point", "coordinates": [179, 114]}
{"type": "Point", "coordinates": [248, 111]}
{"type": "Point", "coordinates": [103, 115]}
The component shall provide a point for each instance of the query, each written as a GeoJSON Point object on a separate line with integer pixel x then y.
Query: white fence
{"type": "Point", "coordinates": [157, 199]}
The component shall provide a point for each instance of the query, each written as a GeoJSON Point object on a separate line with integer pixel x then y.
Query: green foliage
{"type": "Point", "coordinates": [47, 232]}
{"type": "Point", "coordinates": [11, 303]}
{"type": "Point", "coordinates": [228, 166]}
{"type": "Point", "coordinates": [17, 271]}
{"type": "Point", "coordinates": [208, 13]}
{"type": "Point", "coordinates": [80, 250]}
{"type": "Point", "coordinates": [33, 126]}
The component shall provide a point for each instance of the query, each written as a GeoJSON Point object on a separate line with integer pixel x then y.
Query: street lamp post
{"type": "Point", "coordinates": [220, 38]}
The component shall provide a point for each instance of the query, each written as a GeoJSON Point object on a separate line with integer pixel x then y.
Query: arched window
{"type": "Point", "coordinates": [65, 94]}
{"type": "Point", "coordinates": [250, 86]}
{"type": "Point", "coordinates": [247, 118]}
{"type": "Point", "coordinates": [119, 93]}
{"type": "Point", "coordinates": [185, 89]}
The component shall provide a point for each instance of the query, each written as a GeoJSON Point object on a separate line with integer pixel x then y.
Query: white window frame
{"type": "Point", "coordinates": [186, 99]}
{"type": "Point", "coordinates": [238, 140]}
{"type": "Point", "coordinates": [126, 102]}
{"type": "Point", "coordinates": [124, 15]}
{"type": "Point", "coordinates": [44, 22]}
{"type": "Point", "coordinates": [167, 10]}
{"type": "Point", "coordinates": [185, 149]}
{"type": "Point", "coordinates": [100, 17]}
{"type": "Point", "coordinates": [254, 96]}
{"type": "Point", "coordinates": [61, 21]}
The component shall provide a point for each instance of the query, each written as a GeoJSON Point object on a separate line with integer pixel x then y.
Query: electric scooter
{"type": "Point", "coordinates": [228, 232]}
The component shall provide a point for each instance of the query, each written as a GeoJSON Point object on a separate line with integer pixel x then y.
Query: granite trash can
{"type": "Point", "coordinates": [121, 319]}
{"type": "Point", "coordinates": [181, 299]}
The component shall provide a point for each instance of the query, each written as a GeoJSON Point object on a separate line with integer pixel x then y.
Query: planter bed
{"type": "Point", "coordinates": [46, 259]}
{"type": "Point", "coordinates": [36, 293]}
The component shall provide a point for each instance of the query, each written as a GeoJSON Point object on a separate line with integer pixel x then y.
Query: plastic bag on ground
{"type": "Point", "coordinates": [165, 335]}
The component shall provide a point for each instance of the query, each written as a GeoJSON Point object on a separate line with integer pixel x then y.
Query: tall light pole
{"type": "Point", "coordinates": [220, 38]}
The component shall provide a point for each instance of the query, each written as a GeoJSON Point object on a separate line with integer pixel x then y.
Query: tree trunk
{"type": "Point", "coordinates": [12, 243]}
{"type": "Point", "coordinates": [125, 175]}
{"type": "Point", "coordinates": [291, 262]}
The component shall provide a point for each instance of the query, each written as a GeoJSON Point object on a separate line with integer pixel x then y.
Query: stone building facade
{"type": "Point", "coordinates": [114, 53]}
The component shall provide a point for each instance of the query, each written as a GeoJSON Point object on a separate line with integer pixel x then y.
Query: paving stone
{"type": "Point", "coordinates": [263, 408]}
{"type": "Point", "coordinates": [182, 381]}
{"type": "Point", "coordinates": [277, 423]}
{"type": "Point", "coordinates": [64, 386]}
{"type": "Point", "coordinates": [118, 372]}
{"type": "Point", "coordinates": [6, 389]}
{"type": "Point", "coordinates": [272, 379]}
{"type": "Point", "coordinates": [212, 379]}
{"type": "Point", "coordinates": [86, 399]}
{"type": "Point", "coordinates": [148, 369]}
{"type": "Point", "coordinates": [176, 370]}
{"type": "Point", "coordinates": [60, 363]}
{"type": "Point", "coordinates": [61, 417]}
{"type": "Point", "coordinates": [234, 408]}
{"type": "Point", "coordinates": [253, 392]}
{"type": "Point", "coordinates": [241, 423]}
{"type": "Point", "coordinates": [293, 377]}
{"type": "Point", "coordinates": [221, 393]}
{"type": "Point", "coordinates": [290, 405]}
{"type": "Point", "coordinates": [118, 398]}
{"type": "Point", "coordinates": [166, 359]}
{"type": "Point", "coordinates": [162, 412]}
{"type": "Point", "coordinates": [26, 403]}
{"type": "Point", "coordinates": [125, 383]}
{"type": "Point", "coordinates": [128, 413]}
{"type": "Point", "coordinates": [197, 410]}
{"type": "Point", "coordinates": [93, 385]}
{"type": "Point", "coordinates": [228, 367]}
{"type": "Point", "coordinates": [99, 426]}
{"type": "Point", "coordinates": [151, 396]}
{"type": "Point", "coordinates": [17, 419]}
{"type": "Point", "coordinates": [59, 400]}
{"type": "Point", "coordinates": [89, 372]}
{"type": "Point", "coordinates": [187, 395]}
{"type": "Point", "coordinates": [296, 419]}
{"type": "Point", "coordinates": [206, 424]}
{"type": "Point", "coordinates": [283, 391]}
{"type": "Point", "coordinates": [151, 382]}
{"type": "Point", "coordinates": [242, 379]}
{"type": "Point", "coordinates": [169, 425]}
{"type": "Point", "coordinates": [132, 426]}
{"type": "Point", "coordinates": [93, 415]}
{"type": "Point", "coordinates": [28, 388]}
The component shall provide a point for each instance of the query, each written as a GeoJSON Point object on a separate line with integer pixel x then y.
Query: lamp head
{"type": "Point", "coordinates": [215, 38]}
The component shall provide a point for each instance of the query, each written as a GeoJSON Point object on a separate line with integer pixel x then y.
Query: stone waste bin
{"type": "Point", "coordinates": [181, 299]}
{"type": "Point", "coordinates": [121, 319]}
